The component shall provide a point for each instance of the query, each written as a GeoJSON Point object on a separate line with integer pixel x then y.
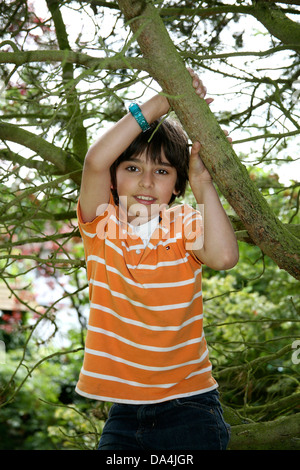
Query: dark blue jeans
{"type": "Point", "coordinates": [191, 423]}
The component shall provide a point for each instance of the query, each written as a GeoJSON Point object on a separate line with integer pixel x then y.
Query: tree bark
{"type": "Point", "coordinates": [168, 69]}
{"type": "Point", "coordinates": [280, 434]}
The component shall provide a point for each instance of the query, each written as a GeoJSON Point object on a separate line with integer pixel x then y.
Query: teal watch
{"type": "Point", "coordinates": [138, 116]}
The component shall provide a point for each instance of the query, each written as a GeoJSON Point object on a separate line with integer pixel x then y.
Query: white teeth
{"type": "Point", "coordinates": [145, 198]}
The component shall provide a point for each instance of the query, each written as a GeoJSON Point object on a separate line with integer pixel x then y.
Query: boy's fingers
{"type": "Point", "coordinates": [198, 85]}
{"type": "Point", "coordinates": [226, 133]}
{"type": "Point", "coordinates": [191, 71]}
{"type": "Point", "coordinates": [195, 147]}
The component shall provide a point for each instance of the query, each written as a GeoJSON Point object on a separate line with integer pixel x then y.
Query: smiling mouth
{"type": "Point", "coordinates": [145, 199]}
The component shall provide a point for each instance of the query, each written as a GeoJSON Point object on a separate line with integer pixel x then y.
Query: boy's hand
{"type": "Point", "coordinates": [197, 171]}
{"type": "Point", "coordinates": [200, 89]}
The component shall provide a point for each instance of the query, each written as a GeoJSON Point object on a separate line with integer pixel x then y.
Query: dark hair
{"type": "Point", "coordinates": [166, 135]}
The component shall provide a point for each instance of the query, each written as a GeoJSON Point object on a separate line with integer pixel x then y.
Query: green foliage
{"type": "Point", "coordinates": [46, 413]}
{"type": "Point", "coordinates": [252, 312]}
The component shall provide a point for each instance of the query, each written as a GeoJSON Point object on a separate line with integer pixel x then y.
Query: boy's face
{"type": "Point", "coordinates": [144, 187]}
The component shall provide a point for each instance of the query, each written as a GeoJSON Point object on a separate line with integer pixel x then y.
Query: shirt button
{"type": "Point", "coordinates": [138, 252]}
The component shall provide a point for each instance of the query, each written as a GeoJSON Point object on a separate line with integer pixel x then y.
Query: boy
{"type": "Point", "coordinates": [145, 347]}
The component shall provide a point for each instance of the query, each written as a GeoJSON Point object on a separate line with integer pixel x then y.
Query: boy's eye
{"type": "Point", "coordinates": [131, 168]}
{"type": "Point", "coordinates": [161, 171]}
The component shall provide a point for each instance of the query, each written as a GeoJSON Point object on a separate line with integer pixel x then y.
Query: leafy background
{"type": "Point", "coordinates": [251, 311]}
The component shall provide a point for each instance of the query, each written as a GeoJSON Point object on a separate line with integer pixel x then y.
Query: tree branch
{"type": "Point", "coordinates": [108, 63]}
{"type": "Point", "coordinates": [277, 23]}
{"type": "Point", "coordinates": [62, 160]}
{"type": "Point", "coordinates": [57, 262]}
{"type": "Point", "coordinates": [77, 129]}
{"type": "Point", "coordinates": [225, 55]}
{"type": "Point", "coordinates": [255, 363]}
{"type": "Point", "coordinates": [279, 434]}
{"type": "Point", "coordinates": [39, 165]}
{"type": "Point", "coordinates": [275, 408]}
{"type": "Point", "coordinates": [199, 11]}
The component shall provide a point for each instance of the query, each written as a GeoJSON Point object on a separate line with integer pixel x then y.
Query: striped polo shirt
{"type": "Point", "coordinates": [145, 341]}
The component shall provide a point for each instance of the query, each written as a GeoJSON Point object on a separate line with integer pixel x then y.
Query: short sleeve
{"type": "Point", "coordinates": [193, 229]}
{"type": "Point", "coordinates": [94, 229]}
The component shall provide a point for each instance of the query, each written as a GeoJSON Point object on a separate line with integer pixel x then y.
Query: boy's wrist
{"type": "Point", "coordinates": [156, 107]}
{"type": "Point", "coordinates": [201, 187]}
{"type": "Point", "coordinates": [197, 182]}
{"type": "Point", "coordinates": [164, 104]}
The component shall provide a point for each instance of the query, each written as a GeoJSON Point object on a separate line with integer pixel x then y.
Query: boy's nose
{"type": "Point", "coordinates": [146, 180]}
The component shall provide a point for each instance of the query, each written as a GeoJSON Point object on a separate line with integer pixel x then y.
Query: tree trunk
{"type": "Point", "coordinates": [228, 173]}
{"type": "Point", "coordinates": [280, 434]}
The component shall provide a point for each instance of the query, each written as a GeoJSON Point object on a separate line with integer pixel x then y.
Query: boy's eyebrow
{"type": "Point", "coordinates": [137, 160]}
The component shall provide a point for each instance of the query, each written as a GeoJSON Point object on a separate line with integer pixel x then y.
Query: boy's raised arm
{"type": "Point", "coordinates": [96, 182]}
{"type": "Point", "coordinates": [220, 247]}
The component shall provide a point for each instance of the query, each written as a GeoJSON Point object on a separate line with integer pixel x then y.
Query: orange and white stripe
{"type": "Point", "coordinates": [145, 340]}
